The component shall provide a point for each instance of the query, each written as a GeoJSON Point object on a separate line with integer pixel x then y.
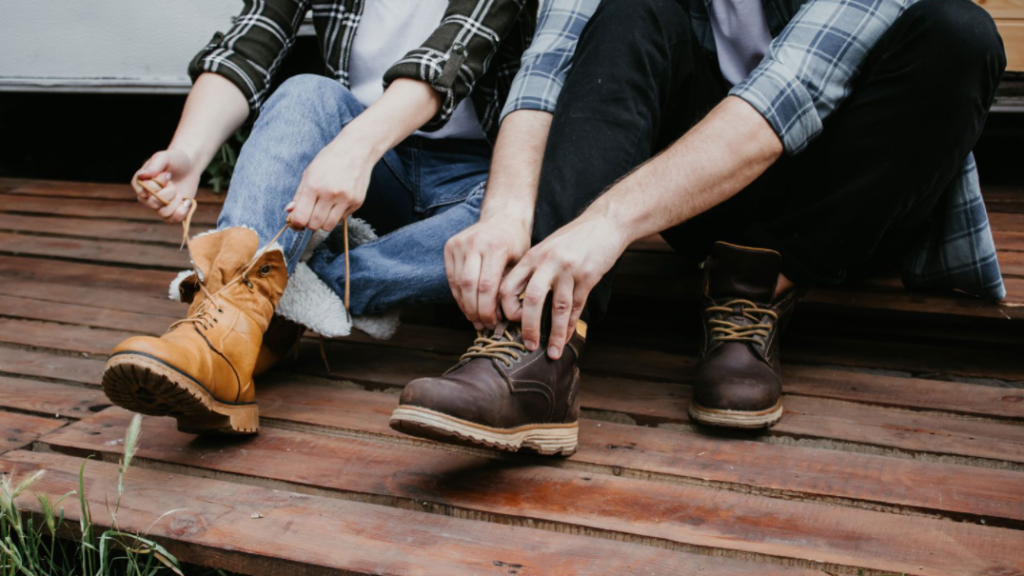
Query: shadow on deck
{"type": "Point", "coordinates": [901, 450]}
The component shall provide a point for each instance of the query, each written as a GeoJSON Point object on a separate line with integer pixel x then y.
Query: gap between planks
{"type": "Point", "coordinates": [403, 488]}
{"type": "Point", "coordinates": [377, 539]}
{"type": "Point", "coordinates": [601, 399]}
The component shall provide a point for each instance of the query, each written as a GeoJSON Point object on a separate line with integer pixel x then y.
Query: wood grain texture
{"type": "Point", "coordinates": [48, 399]}
{"type": "Point", "coordinates": [1012, 32]}
{"type": "Point", "coordinates": [696, 454]}
{"type": "Point", "coordinates": [299, 534]}
{"type": "Point", "coordinates": [206, 214]}
{"type": "Point", "coordinates": [82, 316]}
{"type": "Point", "coordinates": [141, 255]}
{"type": "Point", "coordinates": [146, 232]}
{"type": "Point", "coordinates": [1003, 8]}
{"type": "Point", "coordinates": [892, 470]}
{"type": "Point", "coordinates": [67, 368]}
{"type": "Point", "coordinates": [19, 430]}
{"type": "Point", "coordinates": [825, 382]}
{"type": "Point", "coordinates": [687, 515]}
{"type": "Point", "coordinates": [642, 401]}
{"type": "Point", "coordinates": [151, 284]}
{"type": "Point", "coordinates": [96, 190]}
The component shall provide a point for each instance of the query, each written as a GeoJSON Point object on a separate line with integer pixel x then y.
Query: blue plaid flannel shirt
{"type": "Point", "coordinates": [817, 51]}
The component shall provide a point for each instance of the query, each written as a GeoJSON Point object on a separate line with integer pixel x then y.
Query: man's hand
{"type": "Point", "coordinates": [476, 260]}
{"type": "Point", "coordinates": [333, 185]}
{"type": "Point", "coordinates": [177, 173]}
{"type": "Point", "coordinates": [568, 263]}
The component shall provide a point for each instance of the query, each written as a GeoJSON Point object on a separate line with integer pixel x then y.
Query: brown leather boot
{"type": "Point", "coordinates": [501, 396]}
{"type": "Point", "coordinates": [738, 382]}
{"type": "Point", "coordinates": [200, 371]}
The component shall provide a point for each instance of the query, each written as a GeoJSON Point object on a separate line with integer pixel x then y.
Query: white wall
{"type": "Point", "coordinates": [105, 45]}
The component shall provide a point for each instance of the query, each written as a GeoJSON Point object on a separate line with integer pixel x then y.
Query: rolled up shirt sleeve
{"type": "Point", "coordinates": [249, 54]}
{"type": "Point", "coordinates": [458, 52]}
{"type": "Point", "coordinates": [812, 63]}
{"type": "Point", "coordinates": [545, 64]}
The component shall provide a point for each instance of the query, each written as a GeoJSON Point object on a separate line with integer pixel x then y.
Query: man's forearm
{"type": "Point", "coordinates": [515, 167]}
{"type": "Point", "coordinates": [716, 159]}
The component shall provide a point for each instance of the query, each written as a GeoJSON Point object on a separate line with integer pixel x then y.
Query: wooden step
{"type": "Point", "coordinates": [816, 415]}
{"type": "Point", "coordinates": [83, 286]}
{"type": "Point", "coordinates": [85, 222]}
{"type": "Point", "coordinates": [575, 500]}
{"type": "Point", "coordinates": [260, 531]}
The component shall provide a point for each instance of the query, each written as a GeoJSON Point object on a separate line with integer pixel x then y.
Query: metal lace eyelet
{"type": "Point", "coordinates": [264, 270]}
{"type": "Point", "coordinates": [220, 311]}
{"type": "Point", "coordinates": [247, 283]}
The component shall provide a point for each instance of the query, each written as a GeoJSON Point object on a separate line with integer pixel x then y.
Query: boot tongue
{"type": "Point", "coordinates": [219, 256]}
{"type": "Point", "coordinates": [738, 272]}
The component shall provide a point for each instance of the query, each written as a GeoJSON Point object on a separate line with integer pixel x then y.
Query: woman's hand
{"type": "Point", "coordinates": [334, 184]}
{"type": "Point", "coordinates": [176, 172]}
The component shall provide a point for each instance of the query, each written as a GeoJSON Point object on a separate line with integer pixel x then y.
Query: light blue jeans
{"type": "Point", "coordinates": [421, 194]}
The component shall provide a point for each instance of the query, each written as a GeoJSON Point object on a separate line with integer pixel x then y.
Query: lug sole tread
{"type": "Point", "coordinates": [141, 384]}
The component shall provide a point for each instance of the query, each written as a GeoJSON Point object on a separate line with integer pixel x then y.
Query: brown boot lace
{"type": "Point", "coordinates": [501, 345]}
{"type": "Point", "coordinates": [726, 331]}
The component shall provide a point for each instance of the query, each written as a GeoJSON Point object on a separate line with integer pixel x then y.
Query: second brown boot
{"type": "Point", "coordinates": [738, 381]}
{"type": "Point", "coordinates": [500, 395]}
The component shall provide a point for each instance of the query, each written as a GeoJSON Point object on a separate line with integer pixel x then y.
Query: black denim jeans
{"type": "Point", "coordinates": [858, 195]}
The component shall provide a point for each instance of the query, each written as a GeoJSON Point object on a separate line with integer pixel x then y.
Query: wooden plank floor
{"type": "Point", "coordinates": [901, 450]}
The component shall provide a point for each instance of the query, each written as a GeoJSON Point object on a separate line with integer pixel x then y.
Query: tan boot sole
{"type": "Point", "coordinates": [143, 384]}
{"type": "Point", "coordinates": [736, 418]}
{"type": "Point", "coordinates": [547, 439]}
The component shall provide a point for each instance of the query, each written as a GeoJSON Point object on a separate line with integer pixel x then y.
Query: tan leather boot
{"type": "Point", "coordinates": [200, 371]}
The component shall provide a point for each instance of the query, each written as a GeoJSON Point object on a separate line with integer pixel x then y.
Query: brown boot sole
{"type": "Point", "coordinates": [736, 418]}
{"type": "Point", "coordinates": [546, 439]}
{"type": "Point", "coordinates": [143, 384]}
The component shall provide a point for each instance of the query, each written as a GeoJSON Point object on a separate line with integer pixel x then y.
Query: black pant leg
{"type": "Point", "coordinates": [867, 187]}
{"type": "Point", "coordinates": [638, 81]}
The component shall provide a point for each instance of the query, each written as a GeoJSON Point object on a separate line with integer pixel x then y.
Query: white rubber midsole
{"type": "Point", "coordinates": [545, 438]}
{"type": "Point", "coordinates": [735, 418]}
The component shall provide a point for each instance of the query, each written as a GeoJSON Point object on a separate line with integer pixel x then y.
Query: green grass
{"type": "Point", "coordinates": [29, 545]}
{"type": "Point", "coordinates": [218, 173]}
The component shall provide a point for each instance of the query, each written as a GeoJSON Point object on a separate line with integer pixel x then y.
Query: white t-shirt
{"type": "Point", "coordinates": [741, 36]}
{"type": "Point", "coordinates": [387, 31]}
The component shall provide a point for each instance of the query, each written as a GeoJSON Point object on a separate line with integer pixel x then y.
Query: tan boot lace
{"type": "Point", "coordinates": [501, 345]}
{"type": "Point", "coordinates": [731, 332]}
{"type": "Point", "coordinates": [202, 315]}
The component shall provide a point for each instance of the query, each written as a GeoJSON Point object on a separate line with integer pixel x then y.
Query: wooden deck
{"type": "Point", "coordinates": [901, 451]}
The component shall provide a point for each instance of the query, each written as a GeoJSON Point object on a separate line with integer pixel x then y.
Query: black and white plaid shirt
{"type": "Point", "coordinates": [475, 50]}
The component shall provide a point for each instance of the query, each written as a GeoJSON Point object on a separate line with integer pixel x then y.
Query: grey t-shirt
{"type": "Point", "coordinates": [741, 36]}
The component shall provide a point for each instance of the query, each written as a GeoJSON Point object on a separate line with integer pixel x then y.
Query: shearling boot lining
{"type": "Point", "coordinates": [309, 301]}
